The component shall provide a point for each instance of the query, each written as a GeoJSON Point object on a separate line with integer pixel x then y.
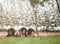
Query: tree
{"type": "Point", "coordinates": [34, 4]}
{"type": "Point", "coordinates": [58, 6]}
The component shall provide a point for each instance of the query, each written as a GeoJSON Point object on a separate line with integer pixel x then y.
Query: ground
{"type": "Point", "coordinates": [44, 38]}
{"type": "Point", "coordinates": [48, 33]}
{"type": "Point", "coordinates": [40, 33]}
{"type": "Point", "coordinates": [30, 40]}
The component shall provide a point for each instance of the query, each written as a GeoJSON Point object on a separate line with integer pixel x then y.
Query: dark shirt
{"type": "Point", "coordinates": [10, 35]}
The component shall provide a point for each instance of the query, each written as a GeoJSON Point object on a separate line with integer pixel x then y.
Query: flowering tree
{"type": "Point", "coordinates": [28, 12]}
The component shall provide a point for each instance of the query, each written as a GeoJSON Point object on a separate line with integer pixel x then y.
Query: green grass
{"type": "Point", "coordinates": [31, 40]}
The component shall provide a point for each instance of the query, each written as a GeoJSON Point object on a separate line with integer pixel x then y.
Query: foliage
{"type": "Point", "coordinates": [18, 12]}
{"type": "Point", "coordinates": [34, 2]}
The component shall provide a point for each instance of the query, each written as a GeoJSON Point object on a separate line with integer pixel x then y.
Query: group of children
{"type": "Point", "coordinates": [23, 32]}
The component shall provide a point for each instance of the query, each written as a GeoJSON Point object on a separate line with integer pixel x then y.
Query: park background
{"type": "Point", "coordinates": [41, 15]}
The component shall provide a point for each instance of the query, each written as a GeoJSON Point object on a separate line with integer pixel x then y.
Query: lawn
{"type": "Point", "coordinates": [31, 40]}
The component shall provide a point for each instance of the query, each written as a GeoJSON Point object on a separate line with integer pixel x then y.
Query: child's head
{"type": "Point", "coordinates": [31, 32]}
{"type": "Point", "coordinates": [11, 31]}
{"type": "Point", "coordinates": [23, 31]}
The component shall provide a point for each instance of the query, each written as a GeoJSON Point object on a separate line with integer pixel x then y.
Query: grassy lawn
{"type": "Point", "coordinates": [29, 40]}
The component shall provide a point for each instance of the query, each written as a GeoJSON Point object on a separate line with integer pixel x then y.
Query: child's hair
{"type": "Point", "coordinates": [12, 30]}
{"type": "Point", "coordinates": [22, 29]}
{"type": "Point", "coordinates": [30, 30]}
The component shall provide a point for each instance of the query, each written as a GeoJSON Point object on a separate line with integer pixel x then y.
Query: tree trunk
{"type": "Point", "coordinates": [36, 22]}
{"type": "Point", "coordinates": [58, 6]}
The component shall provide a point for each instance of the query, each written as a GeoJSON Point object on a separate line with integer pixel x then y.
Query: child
{"type": "Point", "coordinates": [32, 32]}
{"type": "Point", "coordinates": [23, 32]}
{"type": "Point", "coordinates": [11, 32]}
